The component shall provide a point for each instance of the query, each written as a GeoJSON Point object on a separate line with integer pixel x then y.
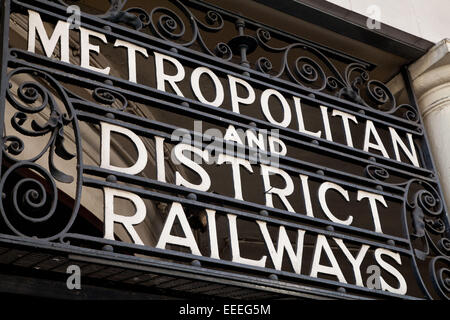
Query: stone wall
{"type": "Point", "coordinates": [423, 18]}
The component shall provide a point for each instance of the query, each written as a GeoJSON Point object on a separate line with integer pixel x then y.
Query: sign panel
{"type": "Point", "coordinates": [151, 134]}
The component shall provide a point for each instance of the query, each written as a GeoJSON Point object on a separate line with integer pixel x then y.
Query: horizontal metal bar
{"type": "Point", "coordinates": [161, 267]}
{"type": "Point", "coordinates": [231, 265]}
{"type": "Point", "coordinates": [86, 255]}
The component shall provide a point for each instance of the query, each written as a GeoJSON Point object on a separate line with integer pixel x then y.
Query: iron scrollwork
{"type": "Point", "coordinates": [353, 84]}
{"type": "Point", "coordinates": [170, 27]}
{"type": "Point", "coordinates": [428, 230]}
{"type": "Point", "coordinates": [110, 98]}
{"type": "Point", "coordinates": [310, 68]}
{"type": "Point", "coordinates": [32, 197]}
{"type": "Point", "coordinates": [132, 17]}
{"type": "Point", "coordinates": [429, 235]}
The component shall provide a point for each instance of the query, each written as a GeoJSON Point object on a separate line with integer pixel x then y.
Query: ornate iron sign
{"type": "Point", "coordinates": [188, 148]}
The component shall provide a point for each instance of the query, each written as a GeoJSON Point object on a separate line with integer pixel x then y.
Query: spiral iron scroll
{"type": "Point", "coordinates": [428, 229]}
{"type": "Point", "coordinates": [29, 191]}
{"type": "Point", "coordinates": [166, 24]}
{"type": "Point", "coordinates": [353, 84]}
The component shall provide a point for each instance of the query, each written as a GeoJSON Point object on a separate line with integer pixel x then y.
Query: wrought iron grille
{"type": "Point", "coordinates": [41, 199]}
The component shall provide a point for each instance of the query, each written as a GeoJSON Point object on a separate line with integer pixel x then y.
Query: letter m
{"type": "Point", "coordinates": [60, 33]}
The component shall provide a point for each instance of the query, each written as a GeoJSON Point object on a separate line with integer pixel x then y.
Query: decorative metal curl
{"type": "Point", "coordinates": [431, 233]}
{"type": "Point", "coordinates": [410, 113]}
{"type": "Point", "coordinates": [441, 276]}
{"type": "Point", "coordinates": [30, 200]}
{"type": "Point", "coordinates": [263, 36]}
{"type": "Point", "coordinates": [353, 84]}
{"type": "Point", "coordinates": [333, 84]}
{"type": "Point", "coordinates": [437, 226]}
{"type": "Point", "coordinates": [444, 245]}
{"type": "Point", "coordinates": [109, 97]}
{"type": "Point", "coordinates": [380, 174]}
{"type": "Point", "coordinates": [29, 191]}
{"type": "Point", "coordinates": [30, 93]}
{"type": "Point", "coordinates": [430, 201]}
{"type": "Point", "coordinates": [380, 94]}
{"type": "Point", "coordinates": [168, 24]}
{"type": "Point", "coordinates": [310, 71]}
{"type": "Point", "coordinates": [116, 14]}
{"type": "Point", "coordinates": [170, 27]}
{"type": "Point", "coordinates": [424, 202]}
{"type": "Point", "coordinates": [376, 173]}
{"type": "Point", "coordinates": [318, 73]}
{"type": "Point", "coordinates": [13, 145]}
{"type": "Point", "coordinates": [142, 15]}
{"type": "Point", "coordinates": [214, 20]}
{"type": "Point", "coordinates": [223, 50]}
{"type": "Point", "coordinates": [264, 65]}
{"type": "Point", "coordinates": [214, 23]}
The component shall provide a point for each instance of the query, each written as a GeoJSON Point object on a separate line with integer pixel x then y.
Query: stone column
{"type": "Point", "coordinates": [431, 82]}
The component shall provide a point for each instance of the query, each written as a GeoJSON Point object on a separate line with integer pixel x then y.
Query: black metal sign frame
{"type": "Point", "coordinates": [427, 244]}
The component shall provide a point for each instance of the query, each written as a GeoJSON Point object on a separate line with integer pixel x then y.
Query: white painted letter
{"type": "Point", "coordinates": [345, 120]}
{"type": "Point", "coordinates": [326, 123]}
{"type": "Point", "coordinates": [334, 270]}
{"type": "Point", "coordinates": [397, 141]}
{"type": "Point", "coordinates": [235, 99]}
{"type": "Point", "coordinates": [282, 151]}
{"type": "Point", "coordinates": [179, 180]}
{"type": "Point", "coordinates": [127, 221]}
{"type": "Point", "coordinates": [282, 193]}
{"type": "Point", "coordinates": [161, 77]}
{"type": "Point", "coordinates": [370, 130]}
{"type": "Point", "coordinates": [131, 48]}
{"type": "Point", "coordinates": [160, 166]}
{"type": "Point", "coordinates": [301, 123]}
{"type": "Point", "coordinates": [307, 195]}
{"type": "Point", "coordinates": [176, 211]}
{"type": "Point", "coordinates": [235, 251]}
{"type": "Point", "coordinates": [402, 288]}
{"type": "Point", "coordinates": [87, 47]}
{"type": "Point", "coordinates": [283, 244]}
{"type": "Point", "coordinates": [266, 110]}
{"type": "Point", "coordinates": [195, 84]}
{"type": "Point", "coordinates": [236, 163]}
{"type": "Point", "coordinates": [356, 262]}
{"type": "Point", "coordinates": [212, 234]}
{"type": "Point", "coordinates": [324, 187]}
{"type": "Point", "coordinates": [61, 32]}
{"type": "Point", "coordinates": [105, 161]}
{"type": "Point", "coordinates": [373, 198]}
